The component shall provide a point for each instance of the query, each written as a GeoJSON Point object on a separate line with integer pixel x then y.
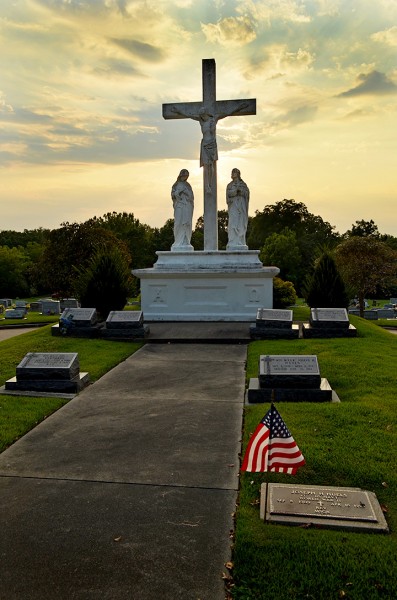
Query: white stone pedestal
{"type": "Point", "coordinates": [206, 286]}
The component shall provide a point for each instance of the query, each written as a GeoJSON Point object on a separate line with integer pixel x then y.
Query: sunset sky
{"type": "Point", "coordinates": [82, 83]}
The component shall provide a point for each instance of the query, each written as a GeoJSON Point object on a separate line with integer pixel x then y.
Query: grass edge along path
{"type": "Point", "coordinates": [19, 414]}
{"type": "Point", "coordinates": [354, 444]}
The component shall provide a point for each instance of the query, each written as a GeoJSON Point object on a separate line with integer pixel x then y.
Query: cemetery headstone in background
{"type": "Point", "coordinates": [69, 303]}
{"type": "Point", "coordinates": [6, 302]}
{"type": "Point", "coordinates": [289, 378]}
{"type": "Point", "coordinates": [328, 323]}
{"type": "Point", "coordinates": [50, 307]}
{"type": "Point", "coordinates": [48, 372]}
{"type": "Point", "coordinates": [371, 315]}
{"type": "Point", "coordinates": [386, 313]}
{"type": "Point", "coordinates": [15, 313]}
{"type": "Point", "coordinates": [333, 507]}
{"type": "Point", "coordinates": [274, 324]}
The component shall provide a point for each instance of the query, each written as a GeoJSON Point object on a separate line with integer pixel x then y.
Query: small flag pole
{"type": "Point", "coordinates": [271, 429]}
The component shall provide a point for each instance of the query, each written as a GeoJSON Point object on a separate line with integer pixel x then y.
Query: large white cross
{"type": "Point", "coordinates": [208, 112]}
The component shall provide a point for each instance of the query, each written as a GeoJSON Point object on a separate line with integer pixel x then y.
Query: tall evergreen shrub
{"type": "Point", "coordinates": [325, 287]}
{"type": "Point", "coordinates": [105, 283]}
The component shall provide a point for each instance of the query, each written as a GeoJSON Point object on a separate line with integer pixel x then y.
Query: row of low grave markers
{"type": "Point", "coordinates": [272, 448]}
{"type": "Point", "coordinates": [119, 325]}
{"type": "Point", "coordinates": [323, 322]}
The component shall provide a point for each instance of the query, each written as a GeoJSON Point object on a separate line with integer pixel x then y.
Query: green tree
{"type": "Point", "coordinates": [164, 237]}
{"type": "Point", "coordinates": [325, 287]}
{"type": "Point", "coordinates": [14, 264]}
{"type": "Point", "coordinates": [363, 228]}
{"type": "Point", "coordinates": [198, 233]}
{"type": "Point", "coordinates": [365, 263]}
{"type": "Point", "coordinates": [70, 247]}
{"type": "Point", "coordinates": [284, 293]}
{"type": "Point", "coordinates": [282, 250]}
{"type": "Point", "coordinates": [106, 282]}
{"type": "Point", "coordinates": [312, 233]}
{"type": "Point", "coordinates": [14, 239]}
{"type": "Point", "coordinates": [138, 237]}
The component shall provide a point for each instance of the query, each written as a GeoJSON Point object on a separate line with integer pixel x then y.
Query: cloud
{"type": "Point", "coordinates": [144, 51]}
{"type": "Point", "coordinates": [231, 31]}
{"type": "Point", "coordinates": [375, 83]}
{"type": "Point", "coordinates": [388, 36]}
{"type": "Point", "coordinates": [277, 61]}
{"type": "Point", "coordinates": [113, 67]}
{"type": "Point", "coordinates": [269, 11]}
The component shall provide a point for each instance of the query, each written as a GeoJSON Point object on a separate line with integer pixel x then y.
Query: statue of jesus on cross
{"type": "Point", "coordinates": [208, 113]}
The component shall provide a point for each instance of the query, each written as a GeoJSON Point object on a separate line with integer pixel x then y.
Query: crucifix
{"type": "Point", "coordinates": [207, 113]}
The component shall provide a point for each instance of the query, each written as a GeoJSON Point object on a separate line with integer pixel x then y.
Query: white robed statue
{"type": "Point", "coordinates": [183, 201]}
{"type": "Point", "coordinates": [237, 198]}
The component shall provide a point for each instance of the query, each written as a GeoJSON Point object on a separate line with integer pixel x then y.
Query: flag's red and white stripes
{"type": "Point", "coordinates": [272, 448]}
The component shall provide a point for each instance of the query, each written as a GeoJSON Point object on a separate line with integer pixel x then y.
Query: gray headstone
{"type": "Point", "coordinates": [48, 365]}
{"type": "Point", "coordinates": [289, 371]}
{"type": "Point", "coordinates": [326, 506]}
{"type": "Point", "coordinates": [69, 303]}
{"type": "Point", "coordinates": [329, 318]}
{"type": "Point", "coordinates": [15, 313]}
{"type": "Point", "coordinates": [81, 317]}
{"type": "Point", "coordinates": [6, 302]}
{"type": "Point", "coordinates": [268, 317]}
{"type": "Point", "coordinates": [47, 373]}
{"type": "Point", "coordinates": [124, 319]}
{"type": "Point", "coordinates": [50, 307]}
{"type": "Point", "coordinates": [20, 304]}
{"type": "Point", "coordinates": [386, 313]}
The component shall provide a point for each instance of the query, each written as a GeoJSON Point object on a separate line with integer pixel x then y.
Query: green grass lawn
{"type": "Point", "coordinates": [353, 444]}
{"type": "Point", "coordinates": [32, 318]}
{"type": "Point", "coordinates": [18, 414]}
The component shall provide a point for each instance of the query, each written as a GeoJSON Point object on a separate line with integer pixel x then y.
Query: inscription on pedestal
{"type": "Point", "coordinates": [48, 365]}
{"type": "Point", "coordinates": [124, 319]}
{"type": "Point", "coordinates": [329, 317]}
{"type": "Point", "coordinates": [328, 503]}
{"type": "Point", "coordinates": [272, 314]}
{"type": "Point", "coordinates": [289, 364]}
{"type": "Point", "coordinates": [329, 314]}
{"type": "Point", "coordinates": [81, 317]}
{"type": "Point", "coordinates": [289, 371]}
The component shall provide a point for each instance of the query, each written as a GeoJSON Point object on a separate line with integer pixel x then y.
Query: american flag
{"type": "Point", "coordinates": [272, 448]}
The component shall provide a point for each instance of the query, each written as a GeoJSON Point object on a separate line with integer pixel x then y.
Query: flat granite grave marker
{"type": "Point", "coordinates": [289, 378]}
{"type": "Point", "coordinates": [330, 507]}
{"type": "Point", "coordinates": [48, 372]}
{"type": "Point", "coordinates": [328, 323]}
{"type": "Point", "coordinates": [15, 313]}
{"type": "Point", "coordinates": [125, 324]}
{"type": "Point", "coordinates": [274, 323]}
{"type": "Point", "coordinates": [78, 322]}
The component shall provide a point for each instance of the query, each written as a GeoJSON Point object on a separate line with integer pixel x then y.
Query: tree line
{"type": "Point", "coordinates": [38, 261]}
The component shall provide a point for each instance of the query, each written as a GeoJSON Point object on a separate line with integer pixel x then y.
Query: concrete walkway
{"type": "Point", "coordinates": [128, 491]}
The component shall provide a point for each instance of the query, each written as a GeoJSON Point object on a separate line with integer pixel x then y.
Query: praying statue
{"type": "Point", "coordinates": [237, 198]}
{"type": "Point", "coordinates": [183, 201]}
